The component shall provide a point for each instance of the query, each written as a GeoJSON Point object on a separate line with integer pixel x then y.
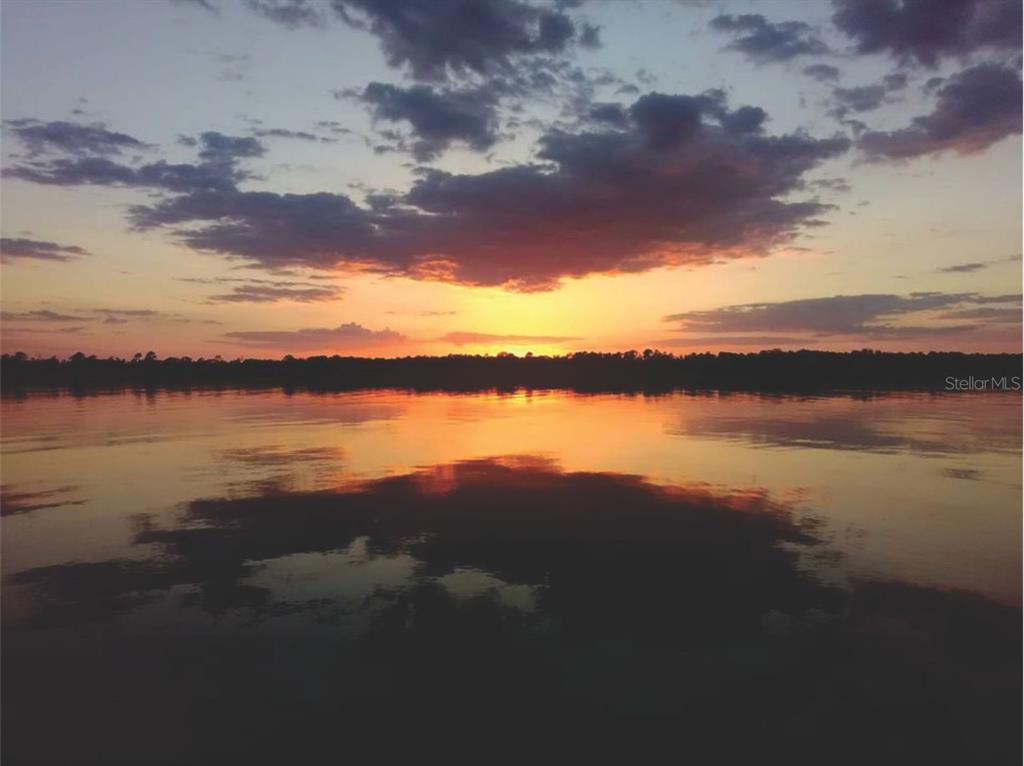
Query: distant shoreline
{"type": "Point", "coordinates": [648, 372]}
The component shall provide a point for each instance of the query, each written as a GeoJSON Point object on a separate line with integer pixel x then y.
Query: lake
{"type": "Point", "coordinates": [262, 576]}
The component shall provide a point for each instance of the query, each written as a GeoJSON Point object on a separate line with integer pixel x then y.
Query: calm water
{"type": "Point", "coordinates": [253, 576]}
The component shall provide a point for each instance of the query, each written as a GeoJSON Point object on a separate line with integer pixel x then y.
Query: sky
{"type": "Point", "coordinates": [398, 177]}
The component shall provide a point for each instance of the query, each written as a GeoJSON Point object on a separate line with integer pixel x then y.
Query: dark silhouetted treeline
{"type": "Point", "coordinates": [649, 371]}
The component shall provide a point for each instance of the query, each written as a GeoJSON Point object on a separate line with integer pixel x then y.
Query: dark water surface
{"type": "Point", "coordinates": [249, 577]}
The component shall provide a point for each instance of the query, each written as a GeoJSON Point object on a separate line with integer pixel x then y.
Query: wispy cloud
{"type": "Point", "coordinates": [269, 290]}
{"type": "Point", "coordinates": [41, 315]}
{"type": "Point", "coordinates": [482, 338]}
{"type": "Point", "coordinates": [12, 249]}
{"type": "Point", "coordinates": [973, 266]}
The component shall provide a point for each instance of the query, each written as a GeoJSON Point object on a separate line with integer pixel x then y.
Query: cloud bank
{"type": "Point", "coordinates": [861, 316]}
{"type": "Point", "coordinates": [345, 336]}
{"type": "Point", "coordinates": [674, 179]}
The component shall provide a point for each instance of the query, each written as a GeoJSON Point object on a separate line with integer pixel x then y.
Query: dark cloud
{"type": "Point", "coordinates": [217, 148]}
{"type": "Point", "coordinates": [860, 315]}
{"type": "Point", "coordinates": [316, 230]}
{"type": "Point", "coordinates": [17, 248]}
{"type": "Point", "coordinates": [344, 336]}
{"type": "Point", "coordinates": [289, 13]}
{"type": "Point", "coordinates": [590, 36]}
{"type": "Point", "coordinates": [976, 108]}
{"type": "Point", "coordinates": [74, 138]}
{"type": "Point", "coordinates": [683, 181]}
{"type": "Point", "coordinates": [688, 180]}
{"type": "Point", "coordinates": [609, 114]}
{"type": "Point", "coordinates": [554, 80]}
{"type": "Point", "coordinates": [470, 338]}
{"type": "Point", "coordinates": [469, 112]}
{"type": "Point", "coordinates": [669, 121]}
{"type": "Point", "coordinates": [436, 37]}
{"type": "Point", "coordinates": [895, 81]}
{"type": "Point", "coordinates": [217, 170]}
{"type": "Point", "coordinates": [437, 117]}
{"type": "Point", "coordinates": [764, 41]}
{"type": "Point", "coordinates": [822, 72]}
{"type": "Point", "coordinates": [864, 98]}
{"type": "Point", "coordinates": [40, 315]}
{"type": "Point", "coordinates": [746, 119]}
{"type": "Point", "coordinates": [74, 172]}
{"type": "Point", "coordinates": [925, 31]}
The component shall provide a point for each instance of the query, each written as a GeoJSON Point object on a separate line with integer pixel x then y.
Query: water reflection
{"type": "Point", "coordinates": [469, 597]}
{"type": "Point", "coordinates": [384, 577]}
{"type": "Point", "coordinates": [931, 425]}
{"type": "Point", "coordinates": [593, 543]}
{"type": "Point", "coordinates": [15, 500]}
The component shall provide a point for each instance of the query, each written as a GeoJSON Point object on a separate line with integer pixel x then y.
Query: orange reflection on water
{"type": "Point", "coordinates": [918, 487]}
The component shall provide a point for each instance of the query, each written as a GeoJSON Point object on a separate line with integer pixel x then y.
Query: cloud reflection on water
{"type": "Point", "coordinates": [499, 590]}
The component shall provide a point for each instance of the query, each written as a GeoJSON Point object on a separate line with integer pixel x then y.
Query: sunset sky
{"type": "Point", "coordinates": [393, 177]}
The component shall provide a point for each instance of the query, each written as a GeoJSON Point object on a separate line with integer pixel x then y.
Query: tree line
{"type": "Point", "coordinates": [648, 370]}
